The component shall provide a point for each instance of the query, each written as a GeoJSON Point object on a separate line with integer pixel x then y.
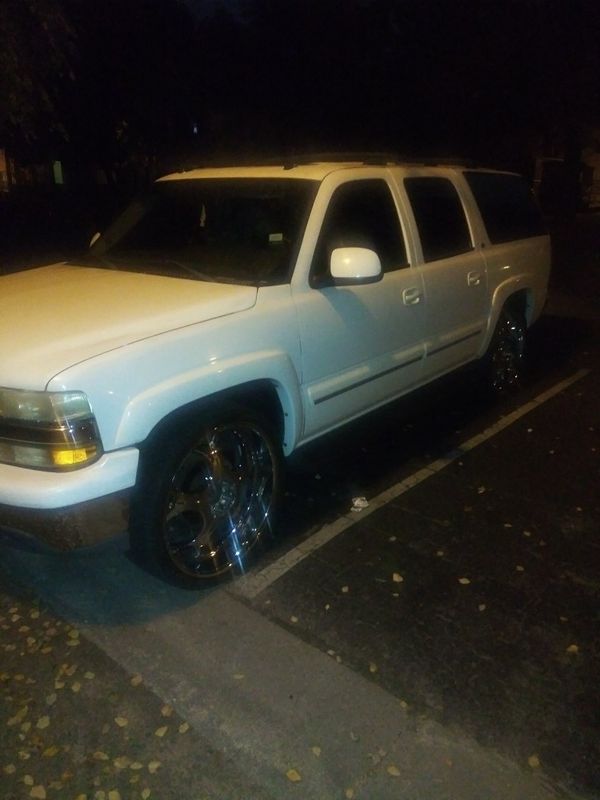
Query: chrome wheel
{"type": "Point", "coordinates": [219, 499]}
{"type": "Point", "coordinates": [507, 353]}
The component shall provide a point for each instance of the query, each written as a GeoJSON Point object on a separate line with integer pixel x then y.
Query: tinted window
{"type": "Point", "coordinates": [440, 217]}
{"type": "Point", "coordinates": [360, 214]}
{"type": "Point", "coordinates": [507, 206]}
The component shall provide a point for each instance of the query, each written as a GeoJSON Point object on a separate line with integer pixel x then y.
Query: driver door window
{"type": "Point", "coordinates": [360, 214]}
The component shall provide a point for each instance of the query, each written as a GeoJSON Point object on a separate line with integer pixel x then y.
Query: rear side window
{"type": "Point", "coordinates": [507, 206]}
{"type": "Point", "coordinates": [440, 217]}
{"type": "Point", "coordinates": [360, 214]}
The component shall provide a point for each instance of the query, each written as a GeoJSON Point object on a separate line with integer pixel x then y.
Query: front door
{"type": "Point", "coordinates": [361, 344]}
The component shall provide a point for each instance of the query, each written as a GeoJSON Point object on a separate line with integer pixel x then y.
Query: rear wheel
{"type": "Point", "coordinates": [504, 362]}
{"type": "Point", "coordinates": [207, 495]}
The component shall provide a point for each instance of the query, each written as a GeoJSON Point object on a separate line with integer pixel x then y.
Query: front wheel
{"type": "Point", "coordinates": [504, 361]}
{"type": "Point", "coordinates": [207, 494]}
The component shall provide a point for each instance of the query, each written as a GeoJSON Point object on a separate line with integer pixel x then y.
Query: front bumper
{"type": "Point", "coordinates": [70, 509]}
{"type": "Point", "coordinates": [68, 528]}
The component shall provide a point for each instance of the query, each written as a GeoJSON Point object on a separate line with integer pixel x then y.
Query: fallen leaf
{"type": "Point", "coordinates": [121, 721]}
{"type": "Point", "coordinates": [166, 710]}
{"type": "Point", "coordinates": [153, 766]}
{"type": "Point", "coordinates": [316, 751]}
{"type": "Point", "coordinates": [293, 775]}
{"type": "Point", "coordinates": [372, 667]}
{"type": "Point", "coordinates": [38, 792]}
{"type": "Point", "coordinates": [482, 606]}
{"type": "Point", "coordinates": [520, 568]}
{"type": "Point", "coordinates": [136, 679]}
{"type": "Point", "coordinates": [135, 765]}
{"type": "Point", "coordinates": [184, 727]}
{"type": "Point", "coordinates": [18, 717]}
{"type": "Point", "coordinates": [464, 581]}
{"type": "Point", "coordinates": [349, 793]}
{"type": "Point", "coordinates": [99, 755]}
{"type": "Point", "coordinates": [481, 490]}
{"type": "Point", "coordinates": [122, 762]}
{"type": "Point", "coordinates": [160, 732]}
{"type": "Point", "coordinates": [42, 723]}
{"type": "Point", "coordinates": [51, 699]}
{"type": "Point", "coordinates": [345, 589]}
{"type": "Point", "coordinates": [114, 794]}
{"type": "Point", "coordinates": [89, 675]}
{"type": "Point", "coordinates": [573, 648]}
{"type": "Point", "coordinates": [533, 761]}
{"type": "Point", "coordinates": [238, 676]}
{"type": "Point", "coordinates": [293, 619]}
{"type": "Point", "coordinates": [145, 794]}
{"type": "Point", "coordinates": [51, 751]}
{"type": "Point", "coordinates": [397, 578]}
{"type": "Point", "coordinates": [10, 769]}
{"type": "Point", "coordinates": [28, 780]}
{"type": "Point", "coordinates": [440, 553]}
{"type": "Point", "coordinates": [393, 770]}
{"type": "Point", "coordinates": [76, 687]}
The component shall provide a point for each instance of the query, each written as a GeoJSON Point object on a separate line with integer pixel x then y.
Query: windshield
{"type": "Point", "coordinates": [226, 230]}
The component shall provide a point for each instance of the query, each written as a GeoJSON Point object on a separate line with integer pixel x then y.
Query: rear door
{"type": "Point", "coordinates": [453, 270]}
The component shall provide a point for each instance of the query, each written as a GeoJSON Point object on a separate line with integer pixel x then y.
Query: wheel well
{"type": "Point", "coordinates": [519, 303]}
{"type": "Point", "coordinates": [260, 396]}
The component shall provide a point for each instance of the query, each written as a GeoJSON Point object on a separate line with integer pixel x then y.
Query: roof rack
{"type": "Point", "coordinates": [362, 157]}
{"type": "Point", "coordinates": [367, 158]}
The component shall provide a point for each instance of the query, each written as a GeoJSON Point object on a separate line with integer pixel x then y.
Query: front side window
{"type": "Point", "coordinates": [360, 214]}
{"type": "Point", "coordinates": [226, 230]}
{"type": "Point", "coordinates": [440, 217]}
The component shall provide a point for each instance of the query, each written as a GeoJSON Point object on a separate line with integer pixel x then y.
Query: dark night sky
{"type": "Point", "coordinates": [474, 77]}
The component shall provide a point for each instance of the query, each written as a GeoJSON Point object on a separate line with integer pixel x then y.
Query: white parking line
{"type": "Point", "coordinates": [251, 585]}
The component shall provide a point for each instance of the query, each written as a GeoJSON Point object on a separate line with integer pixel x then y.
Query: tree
{"type": "Point", "coordinates": [36, 62]}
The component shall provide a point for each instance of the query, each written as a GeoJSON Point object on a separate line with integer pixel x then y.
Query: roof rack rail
{"type": "Point", "coordinates": [291, 160]}
{"type": "Point", "coordinates": [363, 157]}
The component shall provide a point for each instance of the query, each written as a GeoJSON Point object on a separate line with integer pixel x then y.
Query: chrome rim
{"type": "Point", "coordinates": [507, 357]}
{"type": "Point", "coordinates": [220, 500]}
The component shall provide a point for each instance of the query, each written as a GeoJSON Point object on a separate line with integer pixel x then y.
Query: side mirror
{"type": "Point", "coordinates": [351, 266]}
{"type": "Point", "coordinates": [94, 238]}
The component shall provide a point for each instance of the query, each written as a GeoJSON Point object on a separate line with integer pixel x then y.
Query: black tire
{"type": "Point", "coordinates": [504, 362]}
{"type": "Point", "coordinates": [207, 493]}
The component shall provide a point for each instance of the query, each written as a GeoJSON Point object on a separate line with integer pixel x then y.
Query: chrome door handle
{"type": "Point", "coordinates": [474, 278]}
{"type": "Point", "coordinates": [412, 296]}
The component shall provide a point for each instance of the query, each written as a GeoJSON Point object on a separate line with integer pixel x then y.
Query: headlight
{"type": "Point", "coordinates": [47, 430]}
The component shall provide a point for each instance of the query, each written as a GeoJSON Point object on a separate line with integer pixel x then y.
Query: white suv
{"type": "Point", "coordinates": [234, 314]}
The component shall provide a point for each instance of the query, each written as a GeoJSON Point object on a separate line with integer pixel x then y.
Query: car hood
{"type": "Point", "coordinates": [57, 316]}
